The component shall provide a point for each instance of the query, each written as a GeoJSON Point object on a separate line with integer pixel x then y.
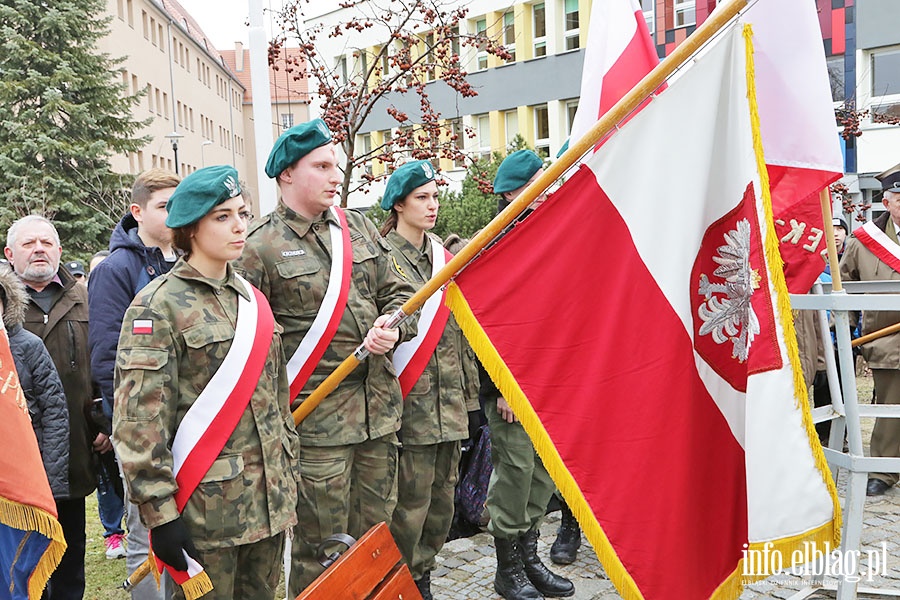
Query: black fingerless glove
{"type": "Point", "coordinates": [169, 540]}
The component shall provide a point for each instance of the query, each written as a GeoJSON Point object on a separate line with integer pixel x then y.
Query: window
{"type": "Point", "coordinates": [135, 88]}
{"type": "Point", "coordinates": [144, 25]}
{"type": "Point", "coordinates": [159, 107]}
{"type": "Point", "coordinates": [509, 33]}
{"type": "Point", "coordinates": [481, 32]}
{"type": "Point", "coordinates": [571, 109]}
{"type": "Point", "coordinates": [120, 8]}
{"type": "Point", "coordinates": [648, 6]}
{"type": "Point", "coordinates": [684, 12]}
{"type": "Point", "coordinates": [511, 120]}
{"type": "Point", "coordinates": [542, 131]}
{"type": "Point", "coordinates": [836, 77]}
{"type": "Point", "coordinates": [459, 137]}
{"type": "Point", "coordinates": [571, 24]}
{"type": "Point", "coordinates": [539, 29]}
{"type": "Point", "coordinates": [429, 44]}
{"type": "Point", "coordinates": [886, 73]}
{"type": "Point", "coordinates": [149, 97]}
{"type": "Point", "coordinates": [165, 104]}
{"type": "Point", "coordinates": [287, 120]}
{"type": "Point", "coordinates": [341, 67]}
{"type": "Point", "coordinates": [366, 149]}
{"type": "Point", "coordinates": [160, 37]}
{"type": "Point", "coordinates": [130, 4]}
{"type": "Point", "coordinates": [483, 129]}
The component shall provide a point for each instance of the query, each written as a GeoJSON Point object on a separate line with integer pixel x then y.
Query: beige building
{"type": "Point", "coordinates": [197, 100]}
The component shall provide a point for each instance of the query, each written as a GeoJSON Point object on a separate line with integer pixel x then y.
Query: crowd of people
{"type": "Point", "coordinates": [208, 328]}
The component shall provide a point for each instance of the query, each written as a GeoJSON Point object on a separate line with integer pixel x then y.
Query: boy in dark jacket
{"type": "Point", "coordinates": [140, 250]}
{"type": "Point", "coordinates": [39, 382]}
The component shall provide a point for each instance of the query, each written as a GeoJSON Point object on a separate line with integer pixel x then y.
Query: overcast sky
{"type": "Point", "coordinates": [223, 21]}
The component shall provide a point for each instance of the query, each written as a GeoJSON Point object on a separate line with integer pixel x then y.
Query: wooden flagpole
{"type": "Point", "coordinates": [628, 103]}
{"type": "Point", "coordinates": [825, 200]}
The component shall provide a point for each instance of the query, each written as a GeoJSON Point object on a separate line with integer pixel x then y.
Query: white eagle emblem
{"type": "Point", "coordinates": [727, 313]}
{"type": "Point", "coordinates": [232, 186]}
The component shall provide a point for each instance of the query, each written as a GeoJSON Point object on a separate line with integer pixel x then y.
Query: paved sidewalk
{"type": "Point", "coordinates": [466, 566]}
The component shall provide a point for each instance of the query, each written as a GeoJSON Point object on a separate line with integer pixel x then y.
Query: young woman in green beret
{"type": "Point", "coordinates": [438, 379]}
{"type": "Point", "coordinates": [202, 424]}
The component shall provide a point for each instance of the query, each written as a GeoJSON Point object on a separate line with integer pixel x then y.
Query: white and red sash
{"type": "Point", "coordinates": [879, 244]}
{"type": "Point", "coordinates": [214, 415]}
{"type": "Point", "coordinates": [411, 358]}
{"type": "Point", "coordinates": [324, 326]}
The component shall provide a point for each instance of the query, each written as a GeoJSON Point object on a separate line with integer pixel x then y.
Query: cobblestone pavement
{"type": "Point", "coordinates": [466, 567]}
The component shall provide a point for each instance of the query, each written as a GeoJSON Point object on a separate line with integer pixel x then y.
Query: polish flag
{"type": "Point", "coordinates": [619, 53]}
{"type": "Point", "coordinates": [803, 152]}
{"type": "Point", "coordinates": [639, 325]}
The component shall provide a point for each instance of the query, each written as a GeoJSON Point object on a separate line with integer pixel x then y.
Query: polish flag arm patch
{"type": "Point", "coordinates": [142, 327]}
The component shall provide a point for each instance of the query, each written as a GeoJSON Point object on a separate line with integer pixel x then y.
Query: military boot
{"type": "Point", "coordinates": [510, 581]}
{"type": "Point", "coordinates": [545, 581]}
{"type": "Point", "coordinates": [568, 538]}
{"type": "Point", "coordinates": [424, 586]}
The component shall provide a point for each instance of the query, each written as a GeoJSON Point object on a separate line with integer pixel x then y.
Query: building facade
{"type": "Point", "coordinates": [535, 95]}
{"type": "Point", "coordinates": [191, 100]}
{"type": "Point", "coordinates": [196, 99]}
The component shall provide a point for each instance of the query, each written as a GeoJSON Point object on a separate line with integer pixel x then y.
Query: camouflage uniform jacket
{"type": "Point", "coordinates": [435, 410]}
{"type": "Point", "coordinates": [250, 491]}
{"type": "Point", "coordinates": [288, 259]}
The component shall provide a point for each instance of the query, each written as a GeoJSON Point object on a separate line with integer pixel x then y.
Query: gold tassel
{"type": "Point", "coordinates": [197, 586]}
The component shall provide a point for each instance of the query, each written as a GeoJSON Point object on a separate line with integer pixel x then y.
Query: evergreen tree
{"type": "Point", "coordinates": [63, 113]}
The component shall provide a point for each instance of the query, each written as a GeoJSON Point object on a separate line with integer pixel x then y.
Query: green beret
{"type": "Point", "coordinates": [404, 180]}
{"type": "Point", "coordinates": [295, 143]}
{"type": "Point", "coordinates": [516, 170]}
{"type": "Point", "coordinates": [200, 192]}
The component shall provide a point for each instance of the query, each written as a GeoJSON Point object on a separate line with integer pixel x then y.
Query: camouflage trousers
{"type": "Point", "coordinates": [342, 489]}
{"type": "Point", "coordinates": [248, 571]}
{"type": "Point", "coordinates": [520, 486]}
{"type": "Point", "coordinates": [425, 490]}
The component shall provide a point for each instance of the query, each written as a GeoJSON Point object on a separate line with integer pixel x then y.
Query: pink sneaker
{"type": "Point", "coordinates": [114, 547]}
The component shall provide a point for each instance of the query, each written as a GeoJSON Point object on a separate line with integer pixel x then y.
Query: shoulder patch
{"type": "Point", "coordinates": [142, 327]}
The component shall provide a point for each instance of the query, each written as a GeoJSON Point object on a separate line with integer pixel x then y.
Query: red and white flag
{"type": "Point", "coordinates": [639, 324]}
{"type": "Point", "coordinates": [619, 53]}
{"type": "Point", "coordinates": [803, 152]}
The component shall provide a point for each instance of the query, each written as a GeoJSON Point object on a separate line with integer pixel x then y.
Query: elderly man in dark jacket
{"type": "Point", "coordinates": [39, 383]}
{"type": "Point", "coordinates": [57, 312]}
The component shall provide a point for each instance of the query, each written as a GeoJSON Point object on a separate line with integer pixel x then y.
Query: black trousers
{"type": "Point", "coordinates": [67, 582]}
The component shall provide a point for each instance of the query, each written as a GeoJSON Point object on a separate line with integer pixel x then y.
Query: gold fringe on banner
{"type": "Point", "coordinates": [29, 518]}
{"type": "Point", "coordinates": [776, 272]}
{"type": "Point", "coordinates": [515, 397]}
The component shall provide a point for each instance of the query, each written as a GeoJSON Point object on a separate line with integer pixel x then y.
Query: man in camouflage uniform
{"type": "Point", "coordinates": [175, 336]}
{"type": "Point", "coordinates": [441, 405]}
{"type": "Point", "coordinates": [349, 443]}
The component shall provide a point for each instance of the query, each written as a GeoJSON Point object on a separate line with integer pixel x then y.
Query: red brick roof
{"type": "Point", "coordinates": [283, 87]}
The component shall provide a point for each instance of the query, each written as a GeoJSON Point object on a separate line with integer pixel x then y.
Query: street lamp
{"type": "Point", "coordinates": [174, 137]}
{"type": "Point", "coordinates": [203, 145]}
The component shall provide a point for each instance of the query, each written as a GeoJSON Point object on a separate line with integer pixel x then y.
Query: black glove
{"type": "Point", "coordinates": [169, 540]}
{"type": "Point", "coordinates": [474, 424]}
